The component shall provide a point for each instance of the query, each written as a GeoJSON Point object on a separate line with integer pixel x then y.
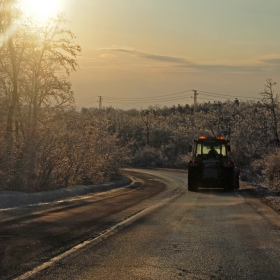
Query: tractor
{"type": "Point", "coordinates": [210, 166]}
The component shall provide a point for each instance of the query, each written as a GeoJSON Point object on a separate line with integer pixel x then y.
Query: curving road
{"type": "Point", "coordinates": [158, 230]}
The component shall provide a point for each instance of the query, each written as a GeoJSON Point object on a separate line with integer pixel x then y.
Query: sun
{"type": "Point", "coordinates": [40, 9]}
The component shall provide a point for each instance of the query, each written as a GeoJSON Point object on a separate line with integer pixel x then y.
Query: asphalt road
{"type": "Point", "coordinates": [211, 234]}
{"type": "Point", "coordinates": [32, 235]}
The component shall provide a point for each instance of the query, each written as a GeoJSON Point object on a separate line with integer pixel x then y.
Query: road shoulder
{"type": "Point", "coordinates": [264, 201]}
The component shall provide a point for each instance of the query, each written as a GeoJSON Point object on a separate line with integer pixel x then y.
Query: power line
{"type": "Point", "coordinates": [219, 94]}
{"type": "Point", "coordinates": [146, 98]}
{"type": "Point", "coordinates": [163, 98]}
{"type": "Point", "coordinates": [87, 99]}
{"type": "Point", "coordinates": [140, 99]}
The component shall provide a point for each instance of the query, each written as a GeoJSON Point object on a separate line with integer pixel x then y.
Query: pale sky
{"type": "Point", "coordinates": [154, 48]}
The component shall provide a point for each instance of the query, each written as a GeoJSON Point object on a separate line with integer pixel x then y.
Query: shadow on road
{"type": "Point", "coordinates": [216, 191]}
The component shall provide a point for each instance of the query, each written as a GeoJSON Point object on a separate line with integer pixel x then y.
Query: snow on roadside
{"type": "Point", "coordinates": [267, 196]}
{"type": "Point", "coordinates": [11, 199]}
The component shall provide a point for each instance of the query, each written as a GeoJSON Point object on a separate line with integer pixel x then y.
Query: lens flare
{"type": "Point", "coordinates": [40, 9]}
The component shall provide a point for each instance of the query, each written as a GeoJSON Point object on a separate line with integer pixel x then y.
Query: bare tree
{"type": "Point", "coordinates": [36, 62]}
{"type": "Point", "coordinates": [270, 102]}
{"type": "Point", "coordinates": [8, 18]}
{"type": "Point", "coordinates": [54, 51]}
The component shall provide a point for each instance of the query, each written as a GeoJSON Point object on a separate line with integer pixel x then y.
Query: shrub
{"type": "Point", "coordinates": [148, 157]}
{"type": "Point", "coordinates": [272, 169]}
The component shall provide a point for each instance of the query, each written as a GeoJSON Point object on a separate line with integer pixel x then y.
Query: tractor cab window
{"type": "Point", "coordinates": [210, 149]}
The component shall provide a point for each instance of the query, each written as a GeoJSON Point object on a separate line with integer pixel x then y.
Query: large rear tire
{"type": "Point", "coordinates": [192, 184]}
{"type": "Point", "coordinates": [229, 185]}
{"type": "Point", "coordinates": [236, 183]}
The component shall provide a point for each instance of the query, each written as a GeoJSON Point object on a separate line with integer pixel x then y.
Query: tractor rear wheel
{"type": "Point", "coordinates": [192, 184]}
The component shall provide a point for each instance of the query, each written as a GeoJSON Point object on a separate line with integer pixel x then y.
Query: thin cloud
{"type": "Point", "coordinates": [257, 66]}
{"type": "Point", "coordinates": [274, 61]}
{"type": "Point", "coordinates": [152, 56]}
{"type": "Point", "coordinates": [107, 56]}
{"type": "Point", "coordinates": [230, 68]}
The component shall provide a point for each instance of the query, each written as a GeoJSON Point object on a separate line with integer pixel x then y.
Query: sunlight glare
{"type": "Point", "coordinates": [40, 9]}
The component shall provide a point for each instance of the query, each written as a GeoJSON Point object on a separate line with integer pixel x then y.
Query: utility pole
{"type": "Point", "coordinates": [100, 101]}
{"type": "Point", "coordinates": [195, 94]}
